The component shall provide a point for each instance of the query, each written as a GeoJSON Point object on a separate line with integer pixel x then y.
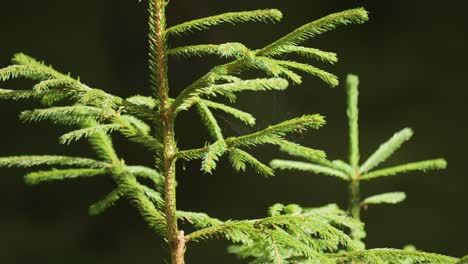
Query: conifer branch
{"type": "Point", "coordinates": [48, 160]}
{"type": "Point", "coordinates": [297, 150]}
{"type": "Point", "coordinates": [55, 86]}
{"type": "Point", "coordinates": [423, 166]}
{"type": "Point", "coordinates": [67, 115]}
{"type": "Point", "coordinates": [267, 15]}
{"type": "Point", "coordinates": [272, 68]}
{"type": "Point", "coordinates": [385, 198]}
{"type": "Point", "coordinates": [339, 165]}
{"type": "Point", "coordinates": [383, 255]}
{"type": "Point", "coordinates": [328, 78]}
{"type": "Point", "coordinates": [102, 144]}
{"type": "Point", "coordinates": [274, 134]}
{"type": "Point", "coordinates": [86, 132]}
{"type": "Point", "coordinates": [308, 167]}
{"type": "Point", "coordinates": [134, 193]}
{"type": "Point", "coordinates": [143, 101]}
{"type": "Point", "coordinates": [23, 59]}
{"type": "Point", "coordinates": [53, 83]}
{"type": "Point", "coordinates": [105, 203]}
{"type": "Point", "coordinates": [212, 155]}
{"type": "Point", "coordinates": [17, 95]}
{"type": "Point", "coordinates": [240, 231]}
{"type": "Point", "coordinates": [240, 158]}
{"type": "Point", "coordinates": [126, 183]}
{"type": "Point", "coordinates": [130, 126]}
{"type": "Point", "coordinates": [309, 53]}
{"type": "Point", "coordinates": [137, 131]}
{"type": "Point", "coordinates": [145, 172]}
{"type": "Point", "coordinates": [271, 135]}
{"type": "Point", "coordinates": [288, 235]}
{"type": "Point", "coordinates": [198, 220]}
{"type": "Point", "coordinates": [152, 195]}
{"type": "Point", "coordinates": [210, 121]}
{"type": "Point", "coordinates": [191, 94]}
{"type": "Point", "coordinates": [310, 30]}
{"type": "Point", "coordinates": [245, 117]}
{"type": "Point", "coordinates": [54, 175]}
{"type": "Point", "coordinates": [386, 150]}
{"type": "Point", "coordinates": [228, 50]}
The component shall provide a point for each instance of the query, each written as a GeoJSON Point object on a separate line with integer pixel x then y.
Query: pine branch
{"type": "Point", "coordinates": [352, 83]}
{"type": "Point", "coordinates": [48, 160]}
{"type": "Point", "coordinates": [102, 144]}
{"type": "Point", "coordinates": [67, 115]}
{"type": "Point", "coordinates": [54, 175]}
{"type": "Point", "coordinates": [111, 198]}
{"type": "Point", "coordinates": [309, 53]}
{"type": "Point", "coordinates": [192, 154]}
{"type": "Point", "coordinates": [284, 235]}
{"type": "Point", "coordinates": [133, 192]}
{"type": "Point", "coordinates": [341, 166]}
{"type": "Point", "coordinates": [49, 78]}
{"type": "Point", "coordinates": [55, 87]}
{"type": "Point", "coordinates": [240, 158]}
{"type": "Point", "coordinates": [271, 135]}
{"type": "Point", "coordinates": [105, 203]}
{"type": "Point", "coordinates": [17, 95]}
{"type": "Point", "coordinates": [153, 196]}
{"type": "Point", "coordinates": [274, 134]}
{"type": "Point", "coordinates": [145, 101]}
{"type": "Point", "coordinates": [272, 68]}
{"type": "Point", "coordinates": [328, 78]}
{"type": "Point", "coordinates": [276, 256]}
{"type": "Point", "coordinates": [303, 166]}
{"type": "Point", "coordinates": [25, 71]}
{"type": "Point", "coordinates": [247, 118]}
{"type": "Point", "coordinates": [385, 198]}
{"type": "Point", "coordinates": [136, 124]}
{"type": "Point", "coordinates": [198, 220]}
{"type": "Point", "coordinates": [86, 132]}
{"type": "Point", "coordinates": [23, 59]}
{"type": "Point", "coordinates": [267, 15]}
{"type": "Point", "coordinates": [54, 97]}
{"type": "Point", "coordinates": [436, 164]}
{"type": "Point", "coordinates": [191, 94]}
{"type": "Point", "coordinates": [56, 80]}
{"type": "Point", "coordinates": [233, 50]}
{"type": "Point", "coordinates": [209, 121]}
{"type": "Point", "coordinates": [212, 155]}
{"type": "Point", "coordinates": [386, 150]}
{"type": "Point", "coordinates": [384, 255]}
{"type": "Point", "coordinates": [310, 30]}
{"type": "Point", "coordinates": [53, 83]}
{"type": "Point", "coordinates": [297, 150]}
{"type": "Point", "coordinates": [145, 172]}
{"type": "Point", "coordinates": [247, 85]}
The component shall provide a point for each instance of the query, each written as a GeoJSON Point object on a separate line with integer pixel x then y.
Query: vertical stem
{"type": "Point", "coordinates": [354, 209]}
{"type": "Point", "coordinates": [158, 66]}
{"type": "Point", "coordinates": [352, 83]}
{"type": "Point", "coordinates": [354, 199]}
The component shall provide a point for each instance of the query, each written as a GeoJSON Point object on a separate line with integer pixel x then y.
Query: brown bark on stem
{"type": "Point", "coordinates": [175, 237]}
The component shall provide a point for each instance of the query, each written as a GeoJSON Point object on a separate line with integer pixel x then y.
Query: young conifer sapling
{"type": "Point", "coordinates": [290, 234]}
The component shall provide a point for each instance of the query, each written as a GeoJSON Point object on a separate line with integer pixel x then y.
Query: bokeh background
{"type": "Point", "coordinates": [411, 57]}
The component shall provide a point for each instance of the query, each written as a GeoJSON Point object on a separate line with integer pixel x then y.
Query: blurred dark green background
{"type": "Point", "coordinates": [411, 58]}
